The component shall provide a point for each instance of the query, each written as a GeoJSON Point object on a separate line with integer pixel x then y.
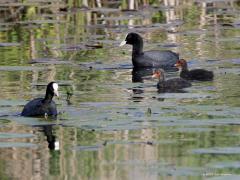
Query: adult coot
{"type": "Point", "coordinates": [195, 74]}
{"type": "Point", "coordinates": [43, 106]}
{"type": "Point", "coordinates": [164, 59]}
{"type": "Point", "coordinates": [170, 85]}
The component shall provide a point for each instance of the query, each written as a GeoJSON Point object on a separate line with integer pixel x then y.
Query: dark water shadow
{"type": "Point", "coordinates": [139, 74]}
{"type": "Point", "coordinates": [98, 65]}
{"type": "Point", "coordinates": [172, 91]}
{"type": "Point", "coordinates": [53, 144]}
{"type": "Point", "coordinates": [42, 124]}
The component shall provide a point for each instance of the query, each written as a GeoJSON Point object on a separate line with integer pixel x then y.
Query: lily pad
{"type": "Point", "coordinates": [88, 148]}
{"type": "Point", "coordinates": [9, 44]}
{"type": "Point", "coordinates": [217, 150]}
{"type": "Point", "coordinates": [15, 135]}
{"type": "Point", "coordinates": [17, 145]}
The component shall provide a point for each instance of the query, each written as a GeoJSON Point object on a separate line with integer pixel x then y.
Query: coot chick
{"type": "Point", "coordinates": [43, 106]}
{"type": "Point", "coordinates": [170, 85]}
{"type": "Point", "coordinates": [195, 74]}
{"type": "Point", "coordinates": [164, 59]}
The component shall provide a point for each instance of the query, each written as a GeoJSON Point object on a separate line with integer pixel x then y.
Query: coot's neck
{"type": "Point", "coordinates": [137, 48]}
{"type": "Point", "coordinates": [161, 81]}
{"type": "Point", "coordinates": [183, 70]}
{"type": "Point", "coordinates": [48, 97]}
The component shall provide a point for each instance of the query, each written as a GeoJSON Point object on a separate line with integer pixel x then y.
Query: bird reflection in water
{"type": "Point", "coordinates": [53, 143]}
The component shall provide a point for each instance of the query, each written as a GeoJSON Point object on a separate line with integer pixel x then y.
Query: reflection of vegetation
{"type": "Point", "coordinates": [86, 138]}
{"type": "Point", "coordinates": [3, 168]}
{"type": "Point", "coordinates": [198, 115]}
{"type": "Point", "coordinates": [54, 163]}
{"type": "Point", "coordinates": [158, 17]}
{"type": "Point", "coordinates": [191, 15]}
{"type": "Point", "coordinates": [237, 4]}
{"type": "Point", "coordinates": [59, 31]}
{"type": "Point", "coordinates": [31, 13]}
{"type": "Point", "coordinates": [93, 55]}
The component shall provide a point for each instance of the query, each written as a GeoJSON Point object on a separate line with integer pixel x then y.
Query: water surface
{"type": "Point", "coordinates": [113, 124]}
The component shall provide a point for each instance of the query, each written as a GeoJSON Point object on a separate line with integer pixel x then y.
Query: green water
{"type": "Point", "coordinates": [110, 127]}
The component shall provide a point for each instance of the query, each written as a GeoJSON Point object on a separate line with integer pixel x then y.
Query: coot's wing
{"type": "Point", "coordinates": [177, 83]}
{"type": "Point", "coordinates": [201, 74]}
{"type": "Point", "coordinates": [160, 58]}
{"type": "Point", "coordinates": [33, 108]}
{"type": "Point", "coordinates": [52, 110]}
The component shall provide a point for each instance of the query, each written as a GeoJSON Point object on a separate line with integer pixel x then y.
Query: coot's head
{"type": "Point", "coordinates": [181, 64]}
{"type": "Point", "coordinates": [159, 74]}
{"type": "Point", "coordinates": [132, 39]}
{"type": "Point", "coordinates": [52, 88]}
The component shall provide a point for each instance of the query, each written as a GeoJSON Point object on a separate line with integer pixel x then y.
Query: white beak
{"type": "Point", "coordinates": [154, 76]}
{"type": "Point", "coordinates": [56, 92]}
{"type": "Point", "coordinates": [123, 43]}
{"type": "Point", "coordinates": [57, 145]}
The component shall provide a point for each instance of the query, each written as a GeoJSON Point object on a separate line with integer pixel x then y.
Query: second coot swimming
{"type": "Point", "coordinates": [164, 59]}
{"type": "Point", "coordinates": [195, 74]}
{"type": "Point", "coordinates": [43, 106]}
{"type": "Point", "coordinates": [170, 85]}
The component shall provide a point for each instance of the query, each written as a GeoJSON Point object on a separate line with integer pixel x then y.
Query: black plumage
{"type": "Point", "coordinates": [195, 74]}
{"type": "Point", "coordinates": [170, 85]}
{"type": "Point", "coordinates": [42, 106]}
{"type": "Point", "coordinates": [164, 59]}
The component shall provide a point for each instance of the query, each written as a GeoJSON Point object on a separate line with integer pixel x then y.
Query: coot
{"type": "Point", "coordinates": [170, 84]}
{"type": "Point", "coordinates": [164, 59]}
{"type": "Point", "coordinates": [43, 106]}
{"type": "Point", "coordinates": [195, 74]}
